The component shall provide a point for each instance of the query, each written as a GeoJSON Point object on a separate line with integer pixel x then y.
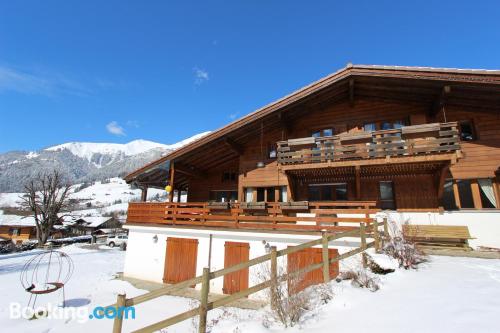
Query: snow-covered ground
{"type": "Point", "coordinates": [445, 295]}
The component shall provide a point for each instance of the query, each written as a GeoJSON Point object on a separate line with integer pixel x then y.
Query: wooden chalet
{"type": "Point", "coordinates": [362, 140]}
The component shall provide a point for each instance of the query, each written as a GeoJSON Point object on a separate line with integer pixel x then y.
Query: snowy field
{"type": "Point", "coordinates": [445, 295]}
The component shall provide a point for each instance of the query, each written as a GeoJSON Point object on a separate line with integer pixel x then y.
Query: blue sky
{"type": "Point", "coordinates": [115, 71]}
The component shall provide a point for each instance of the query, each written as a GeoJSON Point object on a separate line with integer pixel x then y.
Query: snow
{"type": "Point", "coordinates": [447, 294]}
{"type": "Point", "coordinates": [16, 220]}
{"type": "Point", "coordinates": [87, 149]}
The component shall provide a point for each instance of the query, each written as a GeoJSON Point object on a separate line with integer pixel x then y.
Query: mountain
{"type": "Point", "coordinates": [81, 161]}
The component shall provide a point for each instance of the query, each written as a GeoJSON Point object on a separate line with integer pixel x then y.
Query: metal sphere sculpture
{"type": "Point", "coordinates": [45, 273]}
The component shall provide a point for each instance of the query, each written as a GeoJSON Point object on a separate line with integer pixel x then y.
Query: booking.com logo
{"type": "Point", "coordinates": [80, 314]}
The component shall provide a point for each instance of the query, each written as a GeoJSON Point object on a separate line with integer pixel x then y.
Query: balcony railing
{"type": "Point", "coordinates": [263, 216]}
{"type": "Point", "coordinates": [406, 141]}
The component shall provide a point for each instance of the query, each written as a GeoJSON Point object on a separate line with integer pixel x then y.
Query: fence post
{"type": "Point", "coordinates": [362, 234]}
{"type": "Point", "coordinates": [274, 277]}
{"type": "Point", "coordinates": [376, 236]}
{"type": "Point", "coordinates": [120, 304]}
{"type": "Point", "coordinates": [205, 288]}
{"type": "Point", "coordinates": [326, 261]}
{"type": "Point", "coordinates": [386, 228]}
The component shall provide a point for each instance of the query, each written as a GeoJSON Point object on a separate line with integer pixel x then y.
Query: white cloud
{"type": "Point", "coordinates": [38, 83]}
{"type": "Point", "coordinates": [200, 76]}
{"type": "Point", "coordinates": [115, 129]}
{"type": "Point", "coordinates": [233, 116]}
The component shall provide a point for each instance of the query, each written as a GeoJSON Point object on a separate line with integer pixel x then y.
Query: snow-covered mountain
{"type": "Point", "coordinates": [81, 161]}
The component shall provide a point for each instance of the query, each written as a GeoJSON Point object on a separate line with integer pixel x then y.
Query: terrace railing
{"type": "Point", "coordinates": [406, 141]}
{"type": "Point", "coordinates": [287, 216]}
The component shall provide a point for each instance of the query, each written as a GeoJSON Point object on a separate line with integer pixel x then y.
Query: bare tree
{"type": "Point", "coordinates": [46, 196]}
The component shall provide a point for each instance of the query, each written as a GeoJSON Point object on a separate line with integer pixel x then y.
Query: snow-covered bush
{"type": "Point", "coordinates": [361, 278]}
{"type": "Point", "coordinates": [401, 248]}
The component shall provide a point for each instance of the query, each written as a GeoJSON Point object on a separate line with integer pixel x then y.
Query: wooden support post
{"type": "Point", "coordinates": [144, 193]}
{"type": "Point", "coordinates": [362, 235]}
{"type": "Point", "coordinates": [358, 182]}
{"type": "Point", "coordinates": [326, 261]}
{"type": "Point", "coordinates": [274, 276]}
{"type": "Point", "coordinates": [456, 194]}
{"type": "Point", "coordinates": [364, 260]}
{"type": "Point", "coordinates": [476, 195]}
{"type": "Point", "coordinates": [205, 289]}
{"type": "Point", "coordinates": [376, 236]}
{"type": "Point", "coordinates": [386, 228]}
{"type": "Point", "coordinates": [172, 178]}
{"type": "Point", "coordinates": [120, 305]}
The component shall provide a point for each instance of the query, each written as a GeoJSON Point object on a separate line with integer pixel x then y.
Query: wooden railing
{"type": "Point", "coordinates": [405, 141]}
{"type": "Point", "coordinates": [256, 216]}
{"type": "Point", "coordinates": [274, 278]}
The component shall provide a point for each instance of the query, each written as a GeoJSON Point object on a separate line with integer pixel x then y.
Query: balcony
{"type": "Point", "coordinates": [285, 217]}
{"type": "Point", "coordinates": [407, 144]}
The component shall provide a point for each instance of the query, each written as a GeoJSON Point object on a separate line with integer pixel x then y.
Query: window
{"type": "Point", "coordinates": [271, 150]}
{"type": "Point", "coordinates": [229, 177]}
{"type": "Point", "coordinates": [487, 193]}
{"type": "Point", "coordinates": [267, 194]}
{"type": "Point", "coordinates": [323, 132]}
{"type": "Point", "coordinates": [370, 127]}
{"type": "Point", "coordinates": [327, 192]}
{"type": "Point", "coordinates": [386, 126]}
{"type": "Point", "coordinates": [223, 195]}
{"type": "Point", "coordinates": [465, 193]}
{"type": "Point", "coordinates": [15, 231]}
{"type": "Point", "coordinates": [467, 132]}
{"type": "Point", "coordinates": [248, 194]}
{"type": "Point", "coordinates": [386, 195]}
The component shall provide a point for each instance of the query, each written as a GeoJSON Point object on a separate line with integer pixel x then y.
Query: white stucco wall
{"type": "Point", "coordinates": [145, 258]}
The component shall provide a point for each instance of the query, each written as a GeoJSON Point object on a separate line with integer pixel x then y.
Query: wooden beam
{"type": "Point", "coordinates": [235, 147]}
{"type": "Point", "coordinates": [351, 92]}
{"type": "Point", "coordinates": [144, 193]}
{"type": "Point", "coordinates": [358, 182]}
{"type": "Point", "coordinates": [456, 194]}
{"type": "Point", "coordinates": [189, 170]}
{"type": "Point", "coordinates": [476, 196]}
{"type": "Point", "coordinates": [172, 179]}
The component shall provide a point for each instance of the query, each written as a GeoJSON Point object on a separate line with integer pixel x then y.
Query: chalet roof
{"type": "Point", "coordinates": [443, 76]}
{"type": "Point", "coordinates": [92, 221]}
{"type": "Point", "coordinates": [17, 220]}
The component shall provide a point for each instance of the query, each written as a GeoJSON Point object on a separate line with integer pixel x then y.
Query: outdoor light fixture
{"type": "Point", "coordinates": [155, 239]}
{"type": "Point", "coordinates": [260, 164]}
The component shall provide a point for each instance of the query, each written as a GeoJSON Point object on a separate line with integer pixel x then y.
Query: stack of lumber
{"type": "Point", "coordinates": [438, 236]}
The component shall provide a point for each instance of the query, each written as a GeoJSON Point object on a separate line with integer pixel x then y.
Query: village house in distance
{"type": "Point", "coordinates": [412, 144]}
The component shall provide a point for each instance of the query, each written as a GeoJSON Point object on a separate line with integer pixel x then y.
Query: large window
{"type": "Point", "coordinates": [387, 195]}
{"type": "Point", "coordinates": [223, 196]}
{"type": "Point", "coordinates": [465, 193]}
{"type": "Point", "coordinates": [267, 194]}
{"type": "Point", "coordinates": [327, 192]}
{"type": "Point", "coordinates": [448, 196]}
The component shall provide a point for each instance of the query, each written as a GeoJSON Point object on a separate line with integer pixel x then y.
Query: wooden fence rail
{"type": "Point", "coordinates": [260, 216]}
{"type": "Point", "coordinates": [272, 257]}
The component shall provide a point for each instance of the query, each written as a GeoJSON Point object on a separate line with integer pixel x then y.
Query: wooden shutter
{"type": "Point", "coordinates": [307, 257]}
{"type": "Point", "coordinates": [180, 260]}
{"type": "Point", "coordinates": [235, 253]}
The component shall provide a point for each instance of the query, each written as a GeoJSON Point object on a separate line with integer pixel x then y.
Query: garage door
{"type": "Point", "coordinates": [307, 257]}
{"type": "Point", "coordinates": [234, 253]}
{"type": "Point", "coordinates": [180, 260]}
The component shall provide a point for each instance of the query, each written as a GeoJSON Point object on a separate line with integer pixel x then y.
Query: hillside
{"type": "Point", "coordinates": [81, 161]}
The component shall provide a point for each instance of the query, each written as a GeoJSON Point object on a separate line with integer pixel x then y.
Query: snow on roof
{"type": "Point", "coordinates": [93, 221]}
{"type": "Point", "coordinates": [17, 220]}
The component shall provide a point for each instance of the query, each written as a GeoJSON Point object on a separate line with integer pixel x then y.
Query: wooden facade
{"type": "Point", "coordinates": [352, 121]}
{"type": "Point", "coordinates": [180, 259]}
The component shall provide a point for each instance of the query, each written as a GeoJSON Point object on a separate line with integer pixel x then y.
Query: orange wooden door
{"type": "Point", "coordinates": [234, 253]}
{"type": "Point", "coordinates": [306, 257]}
{"type": "Point", "coordinates": [180, 260]}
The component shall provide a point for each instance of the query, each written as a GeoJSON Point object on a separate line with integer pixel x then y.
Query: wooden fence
{"type": "Point", "coordinates": [257, 216]}
{"type": "Point", "coordinates": [405, 141]}
{"type": "Point", "coordinates": [205, 305]}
